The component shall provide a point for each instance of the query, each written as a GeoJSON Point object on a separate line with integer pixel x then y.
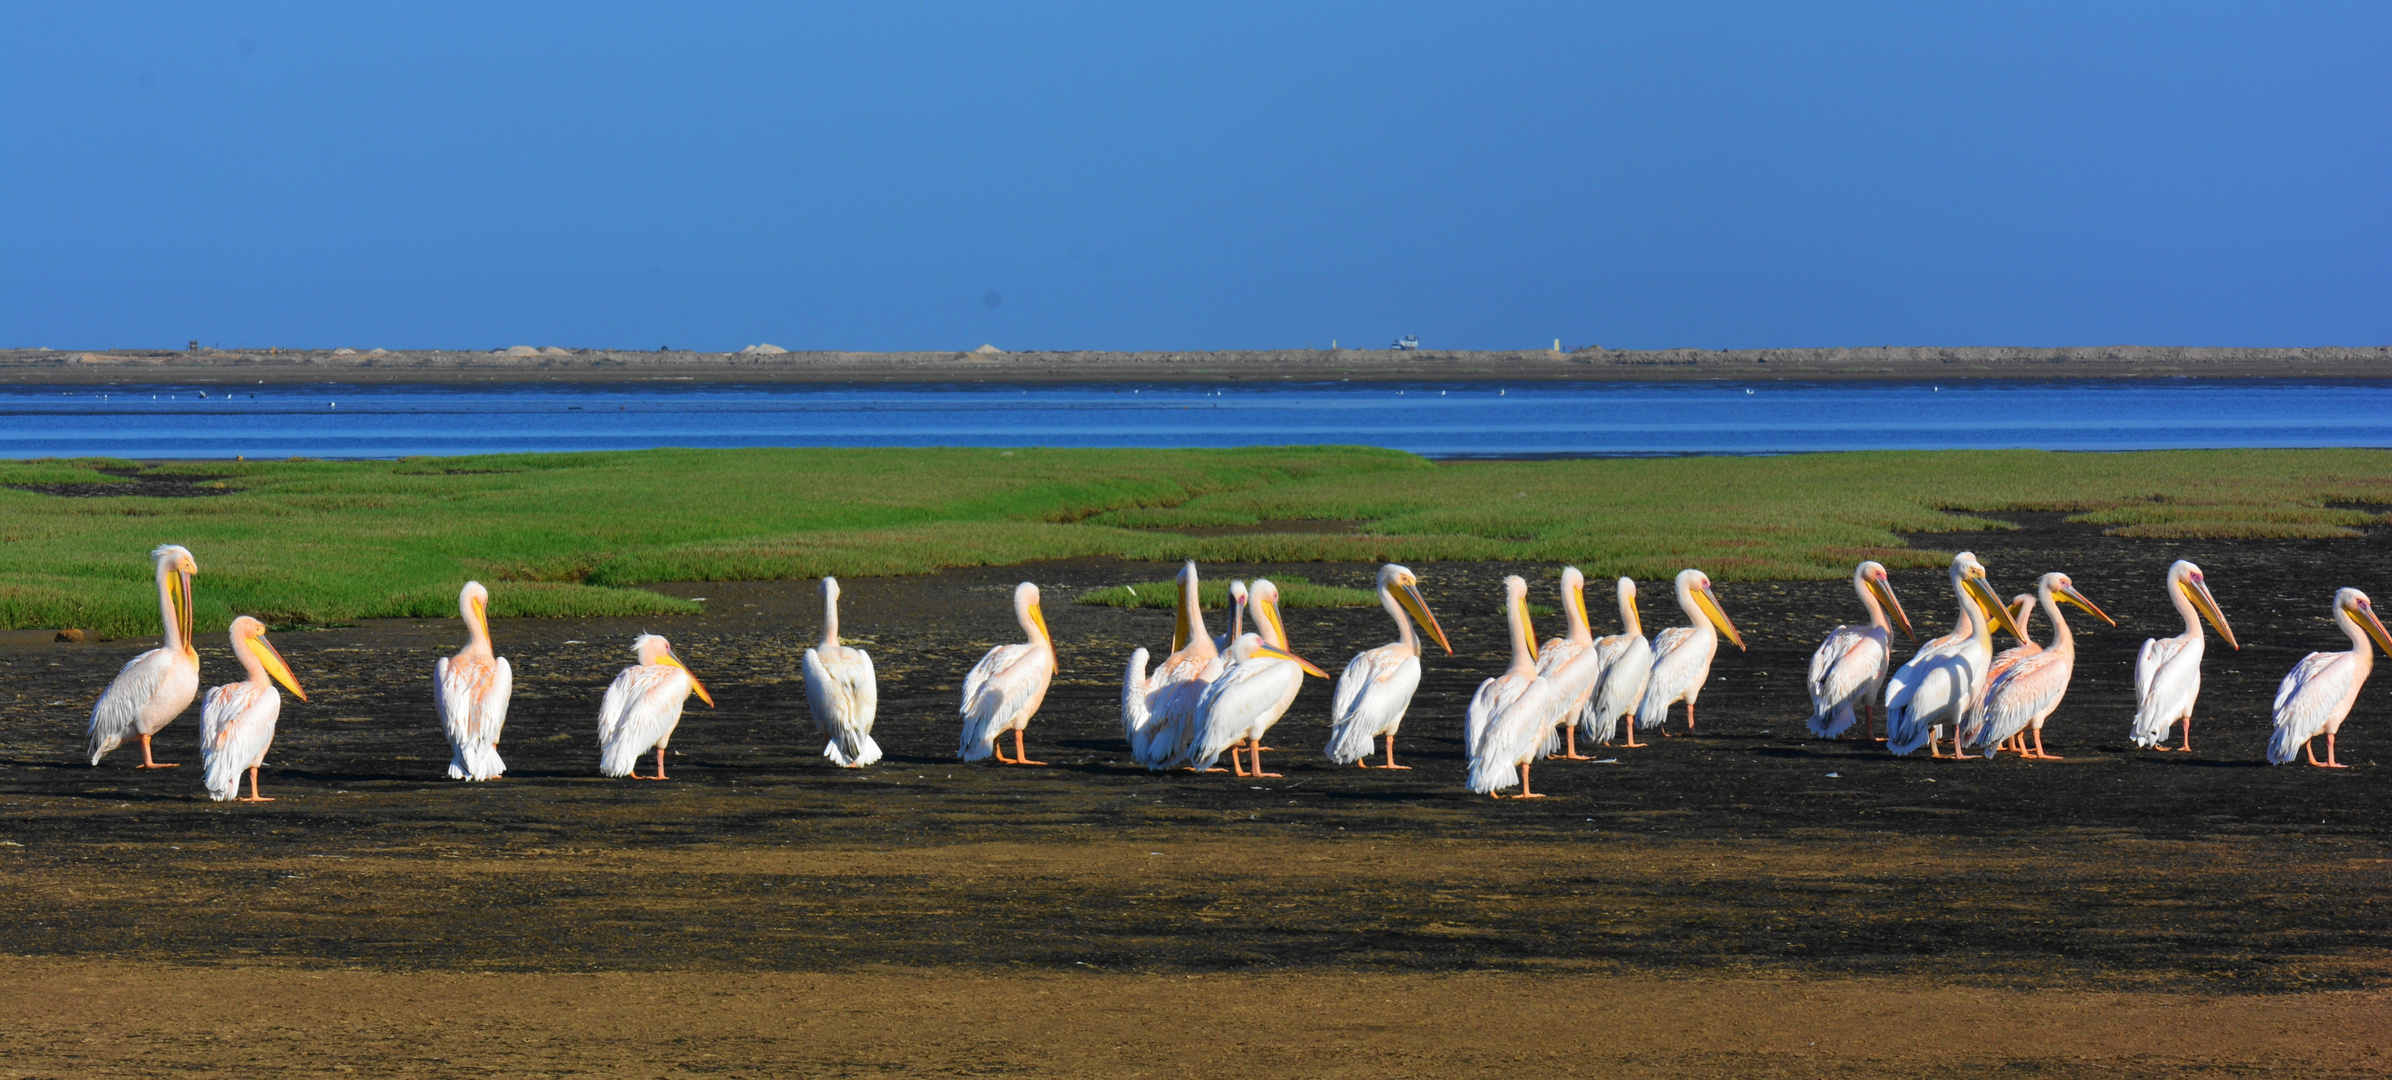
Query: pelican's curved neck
{"type": "Point", "coordinates": [167, 614]}
{"type": "Point", "coordinates": [1573, 615]}
{"type": "Point", "coordinates": [1868, 600]}
{"type": "Point", "coordinates": [830, 619]}
{"type": "Point", "coordinates": [1694, 614]}
{"type": "Point", "coordinates": [1403, 623]}
{"type": "Point", "coordinates": [2061, 640]}
{"type": "Point", "coordinates": [2361, 648]}
{"type": "Point", "coordinates": [1524, 650]}
{"type": "Point", "coordinates": [1628, 615]}
{"type": "Point", "coordinates": [2184, 607]}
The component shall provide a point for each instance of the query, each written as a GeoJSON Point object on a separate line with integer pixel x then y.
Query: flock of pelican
{"type": "Point", "coordinates": [1212, 696]}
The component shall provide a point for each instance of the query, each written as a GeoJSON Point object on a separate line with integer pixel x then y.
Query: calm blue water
{"type": "Point", "coordinates": [1450, 420]}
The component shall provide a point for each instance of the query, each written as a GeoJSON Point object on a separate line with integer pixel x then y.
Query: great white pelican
{"type": "Point", "coordinates": [1682, 654]}
{"type": "Point", "coordinates": [841, 691]}
{"type": "Point", "coordinates": [1570, 663]}
{"type": "Point", "coordinates": [2316, 697]}
{"type": "Point", "coordinates": [471, 690]}
{"type": "Point", "coordinates": [642, 708]}
{"type": "Point", "coordinates": [1627, 659]}
{"type": "Point", "coordinates": [2019, 697]}
{"type": "Point", "coordinates": [2168, 670]}
{"type": "Point", "coordinates": [1512, 712]}
{"type": "Point", "coordinates": [1376, 688]}
{"type": "Point", "coordinates": [1229, 717]}
{"type": "Point", "coordinates": [1158, 707]}
{"type": "Point", "coordinates": [1937, 686]}
{"type": "Point", "coordinates": [1851, 664]}
{"type": "Point", "coordinates": [236, 722]}
{"type": "Point", "coordinates": [156, 686]}
{"type": "Point", "coordinates": [1006, 687]}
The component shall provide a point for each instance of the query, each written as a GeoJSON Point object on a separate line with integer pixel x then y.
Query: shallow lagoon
{"type": "Point", "coordinates": [1441, 420]}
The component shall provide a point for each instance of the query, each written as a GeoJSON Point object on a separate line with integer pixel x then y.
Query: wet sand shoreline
{"type": "Point", "coordinates": [46, 367]}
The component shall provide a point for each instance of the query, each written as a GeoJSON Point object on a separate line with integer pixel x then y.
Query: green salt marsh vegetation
{"type": "Point", "coordinates": [314, 542]}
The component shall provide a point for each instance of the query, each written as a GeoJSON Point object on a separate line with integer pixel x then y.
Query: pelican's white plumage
{"type": "Point", "coordinates": [1237, 617]}
{"type": "Point", "coordinates": [1158, 708]}
{"type": "Point", "coordinates": [1851, 664]}
{"type": "Point", "coordinates": [471, 690]}
{"type": "Point", "coordinates": [236, 722]}
{"type": "Point", "coordinates": [1937, 686]}
{"type": "Point", "coordinates": [1627, 660]}
{"type": "Point", "coordinates": [156, 686]}
{"type": "Point", "coordinates": [1511, 713]}
{"type": "Point", "coordinates": [2317, 696]}
{"type": "Point", "coordinates": [2168, 670]}
{"type": "Point", "coordinates": [1375, 690]}
{"type": "Point", "coordinates": [1006, 687]}
{"type": "Point", "coordinates": [841, 691]}
{"type": "Point", "coordinates": [642, 708]}
{"type": "Point", "coordinates": [1904, 680]}
{"type": "Point", "coordinates": [1682, 654]}
{"type": "Point", "coordinates": [2019, 696]}
{"type": "Point", "coordinates": [1570, 663]}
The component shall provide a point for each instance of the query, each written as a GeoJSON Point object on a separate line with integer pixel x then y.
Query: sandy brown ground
{"type": "Point", "coordinates": [1588, 363]}
{"type": "Point", "coordinates": [1707, 906]}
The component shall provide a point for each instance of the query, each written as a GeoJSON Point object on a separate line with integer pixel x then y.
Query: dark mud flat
{"type": "Point", "coordinates": [1748, 849]}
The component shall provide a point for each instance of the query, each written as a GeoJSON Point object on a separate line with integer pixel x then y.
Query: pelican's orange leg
{"type": "Point", "coordinates": [1237, 760]}
{"type": "Point", "coordinates": [1525, 793]}
{"type": "Point", "coordinates": [1256, 746]}
{"type": "Point", "coordinates": [1020, 757]}
{"type": "Point", "coordinates": [1391, 754]}
{"type": "Point", "coordinates": [254, 796]}
{"type": "Point", "coordinates": [2188, 734]}
{"type": "Point", "coordinates": [2040, 754]}
{"type": "Point", "coordinates": [2330, 763]}
{"type": "Point", "coordinates": [635, 773]}
{"type": "Point", "coordinates": [146, 763]}
{"type": "Point", "coordinates": [1629, 722]}
{"type": "Point", "coordinates": [1571, 734]}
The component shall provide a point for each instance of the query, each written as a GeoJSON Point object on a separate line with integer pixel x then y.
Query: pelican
{"type": "Point", "coordinates": [1851, 664]}
{"type": "Point", "coordinates": [1627, 660]}
{"type": "Point", "coordinates": [1263, 598]}
{"type": "Point", "coordinates": [236, 722]}
{"type": "Point", "coordinates": [1006, 687]}
{"type": "Point", "coordinates": [2168, 670]}
{"type": "Point", "coordinates": [1252, 692]}
{"type": "Point", "coordinates": [2022, 608]}
{"type": "Point", "coordinates": [1571, 664]}
{"type": "Point", "coordinates": [156, 686]}
{"type": "Point", "coordinates": [1237, 617]}
{"type": "Point", "coordinates": [1938, 684]}
{"type": "Point", "coordinates": [2021, 695]}
{"type": "Point", "coordinates": [471, 690]}
{"type": "Point", "coordinates": [643, 707]}
{"type": "Point", "coordinates": [841, 691]}
{"type": "Point", "coordinates": [1682, 654]}
{"type": "Point", "coordinates": [2317, 695]}
{"type": "Point", "coordinates": [1157, 707]}
{"type": "Point", "coordinates": [1512, 713]}
{"type": "Point", "coordinates": [1376, 687]}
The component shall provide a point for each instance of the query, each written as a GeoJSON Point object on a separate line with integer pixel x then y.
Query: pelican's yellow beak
{"type": "Point", "coordinates": [1709, 602]}
{"type": "Point", "coordinates": [1282, 654]}
{"type": "Point", "coordinates": [2366, 618]}
{"type": "Point", "coordinates": [1179, 616]}
{"type": "Point", "coordinates": [2197, 591]}
{"type": "Point", "coordinates": [1266, 612]}
{"type": "Point", "coordinates": [1990, 606]}
{"type": "Point", "coordinates": [695, 686]}
{"type": "Point", "coordinates": [1038, 617]}
{"type": "Point", "coordinates": [481, 614]}
{"type": "Point", "coordinates": [178, 589]}
{"type": "Point", "coordinates": [1408, 597]}
{"type": "Point", "coordinates": [2069, 593]}
{"type": "Point", "coordinates": [270, 658]}
{"type": "Point", "coordinates": [1883, 590]}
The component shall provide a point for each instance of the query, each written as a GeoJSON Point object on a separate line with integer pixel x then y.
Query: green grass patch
{"type": "Point", "coordinates": [1294, 592]}
{"type": "Point", "coordinates": [300, 542]}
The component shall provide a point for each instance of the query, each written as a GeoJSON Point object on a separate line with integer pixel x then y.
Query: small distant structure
{"type": "Point", "coordinates": [766, 349]}
{"type": "Point", "coordinates": [1406, 343]}
{"type": "Point", "coordinates": [987, 349]}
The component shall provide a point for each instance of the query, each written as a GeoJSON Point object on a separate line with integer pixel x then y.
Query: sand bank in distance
{"type": "Point", "coordinates": [523, 364]}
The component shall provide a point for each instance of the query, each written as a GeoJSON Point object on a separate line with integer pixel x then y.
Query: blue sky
{"type": "Point", "coordinates": [925, 176]}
